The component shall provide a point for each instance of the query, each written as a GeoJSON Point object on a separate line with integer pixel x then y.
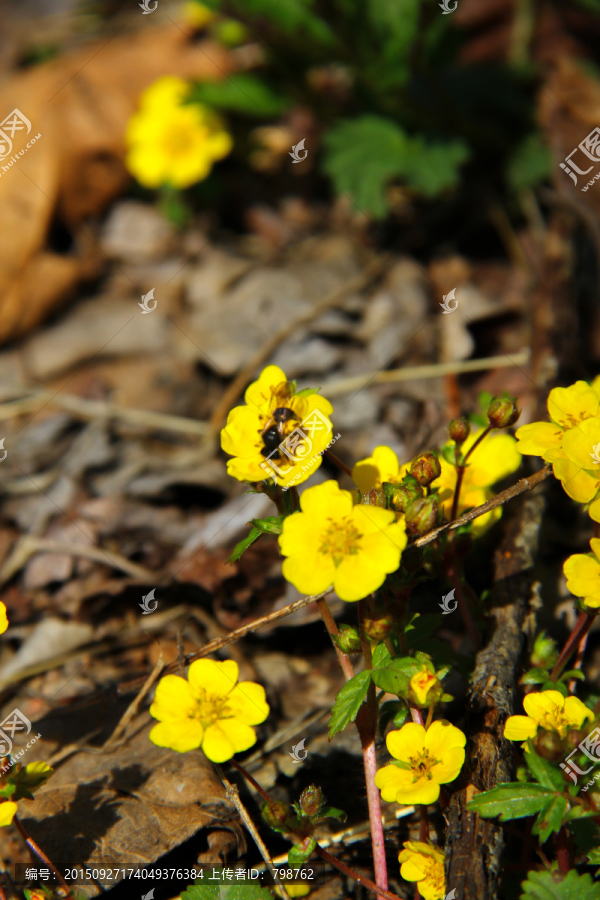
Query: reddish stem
{"type": "Point", "coordinates": [460, 471]}
{"type": "Point", "coordinates": [337, 462]}
{"type": "Point", "coordinates": [583, 625]}
{"type": "Point", "coordinates": [562, 851]}
{"type": "Point", "coordinates": [366, 882]}
{"type": "Point", "coordinates": [332, 628]}
{"type": "Point", "coordinates": [41, 855]}
{"type": "Point", "coordinates": [252, 780]}
{"type": "Point", "coordinates": [415, 713]}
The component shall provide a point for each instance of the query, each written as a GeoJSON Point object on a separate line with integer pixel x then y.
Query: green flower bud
{"type": "Point", "coordinates": [423, 514]}
{"type": "Point", "coordinates": [348, 640]}
{"type": "Point", "coordinates": [459, 430]}
{"type": "Point", "coordinates": [311, 800]}
{"type": "Point", "coordinates": [373, 498]}
{"type": "Point", "coordinates": [401, 495]}
{"type": "Point", "coordinates": [574, 737]}
{"type": "Point", "coordinates": [545, 652]}
{"type": "Point", "coordinates": [549, 745]}
{"type": "Point", "coordinates": [275, 813]}
{"type": "Point", "coordinates": [378, 628]}
{"type": "Point", "coordinates": [503, 412]}
{"type": "Point", "coordinates": [426, 468]}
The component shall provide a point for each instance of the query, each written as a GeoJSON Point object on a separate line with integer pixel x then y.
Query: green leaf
{"type": "Point", "coordinates": [390, 710]}
{"type": "Point", "coordinates": [394, 27]}
{"type": "Point", "coordinates": [248, 891]}
{"type": "Point", "coordinates": [551, 817]}
{"type": "Point", "coordinates": [432, 168]}
{"type": "Point", "coordinates": [530, 163]}
{"type": "Point", "coordinates": [556, 686]}
{"type": "Point", "coordinates": [394, 677]}
{"type": "Point", "coordinates": [543, 771]}
{"type": "Point", "coordinates": [243, 545]}
{"type": "Point", "coordinates": [241, 92]}
{"type": "Point", "coordinates": [270, 525]}
{"type": "Point", "coordinates": [553, 886]}
{"type": "Point", "coordinates": [348, 702]}
{"type": "Point", "coordinates": [534, 676]}
{"type": "Point", "coordinates": [330, 812]}
{"type": "Point", "coordinates": [299, 853]}
{"type": "Point", "coordinates": [586, 835]}
{"type": "Point", "coordinates": [294, 17]}
{"type": "Point", "coordinates": [513, 800]}
{"type": "Point", "coordinates": [381, 655]}
{"type": "Point", "coordinates": [572, 673]}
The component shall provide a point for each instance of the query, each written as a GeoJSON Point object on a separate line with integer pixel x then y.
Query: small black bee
{"type": "Point", "coordinates": [273, 435]}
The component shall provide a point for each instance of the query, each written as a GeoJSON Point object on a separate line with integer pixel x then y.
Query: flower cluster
{"type": "Point", "coordinates": [173, 142]}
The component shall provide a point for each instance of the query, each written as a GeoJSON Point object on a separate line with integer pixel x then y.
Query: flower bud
{"type": "Point", "coordinates": [545, 652]}
{"type": "Point", "coordinates": [424, 688]}
{"type": "Point", "coordinates": [373, 498]}
{"type": "Point", "coordinates": [275, 813]}
{"type": "Point", "coordinates": [348, 640]}
{"type": "Point", "coordinates": [574, 737]}
{"type": "Point", "coordinates": [549, 745]}
{"type": "Point", "coordinates": [426, 468]}
{"type": "Point", "coordinates": [422, 514]}
{"type": "Point", "coordinates": [378, 628]}
{"type": "Point", "coordinates": [459, 430]}
{"type": "Point", "coordinates": [503, 412]}
{"type": "Point", "coordinates": [311, 800]}
{"type": "Point", "coordinates": [401, 495]}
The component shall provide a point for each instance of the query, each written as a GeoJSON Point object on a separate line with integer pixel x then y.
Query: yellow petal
{"type": "Point", "coordinates": [442, 736]}
{"type": "Point", "coordinates": [576, 711]}
{"type": "Point", "coordinates": [381, 466]}
{"type": "Point", "coordinates": [422, 791]}
{"type": "Point", "coordinates": [572, 403]}
{"type": "Point", "coordinates": [7, 812]}
{"type": "Point", "coordinates": [580, 442]}
{"type": "Point", "coordinates": [327, 500]}
{"type": "Point", "coordinates": [583, 575]}
{"type": "Point", "coordinates": [241, 435]}
{"type": "Point", "coordinates": [173, 699]}
{"type": "Point", "coordinates": [218, 678]}
{"type": "Point", "coordinates": [388, 781]}
{"type": "Point", "coordinates": [3, 618]}
{"type": "Point", "coordinates": [578, 484]}
{"type": "Point", "coordinates": [544, 706]}
{"type": "Point", "coordinates": [247, 702]}
{"type": "Point", "coordinates": [259, 393]}
{"type": "Point", "coordinates": [308, 579]}
{"type": "Point", "coordinates": [519, 728]}
{"type": "Point", "coordinates": [449, 766]}
{"type": "Point", "coordinates": [496, 457]}
{"type": "Point", "coordinates": [407, 742]}
{"type": "Point", "coordinates": [354, 580]}
{"type": "Point", "coordinates": [226, 737]}
{"type": "Point", "coordinates": [183, 735]}
{"type": "Point", "coordinates": [537, 438]}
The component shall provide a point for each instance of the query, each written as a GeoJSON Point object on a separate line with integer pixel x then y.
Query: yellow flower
{"type": "Point", "coordinates": [209, 710]}
{"type": "Point", "coordinates": [583, 574]}
{"type": "Point", "coordinates": [3, 618]}
{"type": "Point", "coordinates": [382, 466]}
{"type": "Point", "coordinates": [197, 14]}
{"type": "Point", "coordinates": [425, 864]}
{"type": "Point", "coordinates": [431, 758]}
{"type": "Point", "coordinates": [273, 413]}
{"type": "Point", "coordinates": [548, 710]}
{"type": "Point", "coordinates": [172, 143]}
{"type": "Point", "coordinates": [294, 890]}
{"type": "Point", "coordinates": [333, 542]}
{"type": "Point", "coordinates": [495, 458]}
{"type": "Point", "coordinates": [7, 812]}
{"type": "Point", "coordinates": [420, 685]}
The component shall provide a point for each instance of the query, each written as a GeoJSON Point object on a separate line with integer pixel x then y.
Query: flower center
{"type": "Point", "coordinates": [422, 765]}
{"type": "Point", "coordinates": [434, 874]}
{"type": "Point", "coordinates": [178, 140]}
{"type": "Point", "coordinates": [341, 539]}
{"type": "Point", "coordinates": [211, 707]}
{"type": "Point", "coordinates": [556, 721]}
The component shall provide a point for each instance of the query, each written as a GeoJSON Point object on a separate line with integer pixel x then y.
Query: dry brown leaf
{"type": "Point", "coordinates": [80, 104]}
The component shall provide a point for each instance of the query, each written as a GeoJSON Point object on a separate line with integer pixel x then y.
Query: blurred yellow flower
{"type": "Point", "coordinates": [381, 466]}
{"type": "Point", "coordinates": [424, 864]}
{"type": "Point", "coordinates": [209, 710]}
{"type": "Point", "coordinates": [495, 458]}
{"type": "Point", "coordinates": [583, 574]}
{"type": "Point", "coordinates": [431, 757]}
{"type": "Point", "coordinates": [7, 812]}
{"type": "Point", "coordinates": [172, 143]}
{"type": "Point", "coordinates": [3, 618]}
{"type": "Point", "coordinates": [275, 413]}
{"type": "Point", "coordinates": [548, 710]}
{"type": "Point", "coordinates": [333, 542]}
{"type": "Point", "coordinates": [197, 14]}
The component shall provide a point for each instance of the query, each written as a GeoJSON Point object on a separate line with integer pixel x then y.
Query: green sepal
{"type": "Point", "coordinates": [534, 676]}
{"type": "Point", "coordinates": [270, 525]}
{"type": "Point", "coordinates": [556, 686]}
{"type": "Point", "coordinates": [299, 853]}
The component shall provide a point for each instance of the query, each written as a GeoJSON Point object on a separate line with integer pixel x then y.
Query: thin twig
{"type": "Point", "coordinates": [40, 853]}
{"type": "Point", "coordinates": [583, 625]}
{"type": "Point", "coordinates": [241, 381]}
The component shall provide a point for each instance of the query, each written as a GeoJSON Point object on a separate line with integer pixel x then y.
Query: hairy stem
{"type": "Point", "coordinates": [332, 628]}
{"type": "Point", "coordinates": [460, 472]}
{"type": "Point", "coordinates": [582, 626]}
{"type": "Point", "coordinates": [249, 778]}
{"type": "Point", "coordinates": [37, 851]}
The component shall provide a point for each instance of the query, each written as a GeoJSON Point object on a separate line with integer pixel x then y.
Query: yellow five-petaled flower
{"type": "Point", "coordinates": [209, 710]}
{"type": "Point", "coordinates": [583, 574]}
{"type": "Point", "coordinates": [548, 710]}
{"type": "Point", "coordinates": [430, 757]}
{"type": "Point", "coordinates": [333, 542]}
{"type": "Point", "coordinates": [424, 864]}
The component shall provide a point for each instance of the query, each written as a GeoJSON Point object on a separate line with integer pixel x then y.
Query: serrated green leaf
{"type": "Point", "coordinates": [529, 164]}
{"type": "Point", "coordinates": [553, 886]}
{"type": "Point", "coordinates": [243, 545]}
{"type": "Point", "coordinates": [513, 800]}
{"type": "Point", "coordinates": [551, 817]}
{"type": "Point", "coordinates": [348, 702]}
{"type": "Point", "coordinates": [199, 891]}
{"type": "Point", "coordinates": [394, 677]}
{"type": "Point", "coordinates": [534, 676]}
{"type": "Point", "coordinates": [241, 92]}
{"type": "Point", "coordinates": [543, 771]}
{"type": "Point", "coordinates": [299, 853]}
{"type": "Point", "coordinates": [381, 655]}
